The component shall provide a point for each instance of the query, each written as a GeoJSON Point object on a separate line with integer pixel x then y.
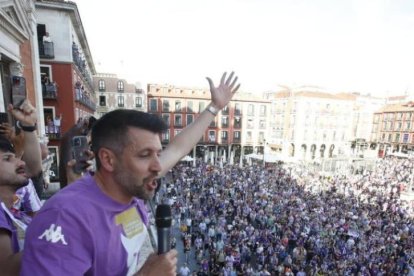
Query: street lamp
{"type": "Point", "coordinates": [264, 151]}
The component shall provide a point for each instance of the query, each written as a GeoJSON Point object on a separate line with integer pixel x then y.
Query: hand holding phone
{"type": "Point", "coordinates": [18, 93]}
{"type": "Point", "coordinates": [80, 149]}
{"type": "Point", "coordinates": [4, 118]}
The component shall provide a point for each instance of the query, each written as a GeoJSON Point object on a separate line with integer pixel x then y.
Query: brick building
{"type": "Point", "coordinates": [65, 69]}
{"type": "Point", "coordinates": [114, 93]}
{"type": "Point", "coordinates": [393, 129]}
{"type": "Point", "coordinates": [238, 129]}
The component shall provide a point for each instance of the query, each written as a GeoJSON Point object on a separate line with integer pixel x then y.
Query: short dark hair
{"type": "Point", "coordinates": [110, 130]}
{"type": "Point", "coordinates": [6, 145]}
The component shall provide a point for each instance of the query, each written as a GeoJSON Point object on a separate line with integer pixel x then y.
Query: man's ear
{"type": "Point", "coordinates": [107, 158]}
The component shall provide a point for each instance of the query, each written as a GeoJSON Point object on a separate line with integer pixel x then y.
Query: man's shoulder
{"type": "Point", "coordinates": [4, 221]}
{"type": "Point", "coordinates": [75, 195]}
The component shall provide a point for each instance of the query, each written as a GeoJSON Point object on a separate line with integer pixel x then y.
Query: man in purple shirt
{"type": "Point", "coordinates": [14, 174]}
{"type": "Point", "coordinates": [97, 225]}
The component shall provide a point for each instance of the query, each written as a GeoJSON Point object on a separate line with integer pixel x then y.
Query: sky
{"type": "Point", "coordinates": [364, 46]}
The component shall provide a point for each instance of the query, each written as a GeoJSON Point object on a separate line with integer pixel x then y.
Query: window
{"type": "Point", "coordinates": [262, 110]}
{"type": "Point", "coordinates": [120, 86]}
{"type": "Point", "coordinates": [178, 120]}
{"type": "Point", "coordinates": [190, 118]}
{"type": "Point", "coordinates": [153, 105]}
{"type": "Point", "coordinates": [102, 100]}
{"type": "Point", "coordinates": [121, 101]}
{"type": "Point", "coordinates": [166, 119]}
{"type": "Point", "coordinates": [249, 136]}
{"type": "Point", "coordinates": [165, 136]}
{"type": "Point", "coordinates": [250, 123]}
{"type": "Point", "coordinates": [250, 110]}
{"type": "Point", "coordinates": [165, 106]}
{"type": "Point", "coordinates": [177, 106]}
{"type": "Point", "coordinates": [397, 137]}
{"type": "Point", "coordinates": [211, 136]}
{"type": "Point", "coordinates": [101, 85]}
{"type": "Point", "coordinates": [237, 122]}
{"type": "Point", "coordinates": [237, 109]}
{"type": "Point", "coordinates": [262, 124]}
{"type": "Point", "coordinates": [389, 137]}
{"type": "Point", "coordinates": [225, 110]}
{"type": "Point", "coordinates": [224, 121]}
{"type": "Point", "coordinates": [138, 102]}
{"type": "Point", "coordinates": [236, 137]}
{"type": "Point", "coordinates": [405, 137]}
{"type": "Point", "coordinates": [224, 136]}
{"type": "Point", "coordinates": [201, 106]}
{"type": "Point", "coordinates": [213, 123]}
{"type": "Point", "coordinates": [261, 137]}
{"type": "Point", "coordinates": [190, 106]}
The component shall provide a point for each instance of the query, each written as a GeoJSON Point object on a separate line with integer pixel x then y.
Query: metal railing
{"type": "Point", "coordinates": [46, 50]}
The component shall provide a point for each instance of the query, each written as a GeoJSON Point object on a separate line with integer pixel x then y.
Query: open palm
{"type": "Point", "coordinates": [221, 95]}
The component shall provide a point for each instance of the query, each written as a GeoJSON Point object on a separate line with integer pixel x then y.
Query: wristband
{"type": "Point", "coordinates": [26, 128]}
{"type": "Point", "coordinates": [212, 109]}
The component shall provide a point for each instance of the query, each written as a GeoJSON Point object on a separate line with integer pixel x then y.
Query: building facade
{"type": "Point", "coordinates": [238, 129]}
{"type": "Point", "coordinates": [309, 124]}
{"type": "Point", "coordinates": [65, 70]}
{"type": "Point", "coordinates": [18, 53]}
{"type": "Point", "coordinates": [393, 129]}
{"type": "Point", "coordinates": [114, 93]}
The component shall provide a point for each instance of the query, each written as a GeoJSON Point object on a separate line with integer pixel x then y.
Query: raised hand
{"type": "Point", "coordinates": [221, 95]}
{"type": "Point", "coordinates": [26, 114]}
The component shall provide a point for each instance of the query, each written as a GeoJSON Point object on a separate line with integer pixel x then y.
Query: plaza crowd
{"type": "Point", "coordinates": [292, 221]}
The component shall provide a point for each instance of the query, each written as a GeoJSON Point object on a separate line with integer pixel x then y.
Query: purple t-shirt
{"type": "Point", "coordinates": [7, 224]}
{"type": "Point", "coordinates": [82, 231]}
{"type": "Point", "coordinates": [15, 222]}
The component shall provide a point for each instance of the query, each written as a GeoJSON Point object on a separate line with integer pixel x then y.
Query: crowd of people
{"type": "Point", "coordinates": [279, 221]}
{"type": "Point", "coordinates": [98, 223]}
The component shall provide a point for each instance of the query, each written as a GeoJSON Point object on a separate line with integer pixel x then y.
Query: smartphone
{"type": "Point", "coordinates": [4, 117]}
{"type": "Point", "coordinates": [79, 153]}
{"type": "Point", "coordinates": [18, 93]}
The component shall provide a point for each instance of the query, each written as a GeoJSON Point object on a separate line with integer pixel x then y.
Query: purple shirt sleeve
{"type": "Point", "coordinates": [57, 243]}
{"type": "Point", "coordinates": [4, 223]}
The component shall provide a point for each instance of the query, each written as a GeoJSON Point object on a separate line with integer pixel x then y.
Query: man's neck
{"type": "Point", "coordinates": [6, 196]}
{"type": "Point", "coordinates": [112, 189]}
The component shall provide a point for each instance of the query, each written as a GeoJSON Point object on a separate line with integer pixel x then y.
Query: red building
{"type": "Point", "coordinates": [66, 69]}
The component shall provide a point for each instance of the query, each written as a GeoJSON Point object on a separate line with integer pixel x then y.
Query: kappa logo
{"type": "Point", "coordinates": [53, 234]}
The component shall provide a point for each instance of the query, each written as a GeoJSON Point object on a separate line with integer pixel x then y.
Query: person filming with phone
{"type": "Point", "coordinates": [98, 224]}
{"type": "Point", "coordinates": [16, 201]}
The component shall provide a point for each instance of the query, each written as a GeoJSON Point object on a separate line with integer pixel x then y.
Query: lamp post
{"type": "Point", "coordinates": [264, 151]}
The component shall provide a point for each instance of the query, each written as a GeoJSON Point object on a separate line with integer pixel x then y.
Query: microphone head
{"type": "Point", "coordinates": [163, 217]}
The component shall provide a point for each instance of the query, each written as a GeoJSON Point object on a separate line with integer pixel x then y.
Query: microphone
{"type": "Point", "coordinates": [163, 219]}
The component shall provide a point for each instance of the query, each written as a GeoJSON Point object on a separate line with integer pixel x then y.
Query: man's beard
{"type": "Point", "coordinates": [131, 185]}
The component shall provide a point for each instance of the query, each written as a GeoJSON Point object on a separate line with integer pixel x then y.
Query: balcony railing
{"type": "Point", "coordinates": [49, 91]}
{"type": "Point", "coordinates": [52, 131]}
{"type": "Point", "coordinates": [46, 50]}
{"type": "Point", "coordinates": [81, 64]}
{"type": "Point", "coordinates": [81, 97]}
{"type": "Point", "coordinates": [236, 140]}
{"type": "Point", "coordinates": [224, 140]}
